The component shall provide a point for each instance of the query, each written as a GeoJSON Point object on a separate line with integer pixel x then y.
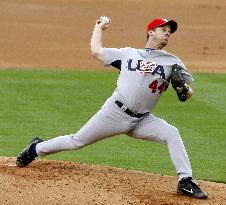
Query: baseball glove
{"type": "Point", "coordinates": [178, 83]}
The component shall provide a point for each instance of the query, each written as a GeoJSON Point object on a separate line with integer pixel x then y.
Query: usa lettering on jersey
{"type": "Point", "coordinates": [146, 67]}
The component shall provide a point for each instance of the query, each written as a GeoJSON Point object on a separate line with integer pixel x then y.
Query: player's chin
{"type": "Point", "coordinates": [164, 43]}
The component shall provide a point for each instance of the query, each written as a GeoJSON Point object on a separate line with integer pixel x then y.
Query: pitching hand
{"type": "Point", "coordinates": [104, 22]}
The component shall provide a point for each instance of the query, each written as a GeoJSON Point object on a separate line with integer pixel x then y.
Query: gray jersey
{"type": "Point", "coordinates": [144, 75]}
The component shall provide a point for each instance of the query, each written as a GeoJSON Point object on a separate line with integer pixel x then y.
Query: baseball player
{"type": "Point", "coordinates": [144, 76]}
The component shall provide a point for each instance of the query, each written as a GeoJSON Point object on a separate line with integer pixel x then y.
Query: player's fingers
{"type": "Point", "coordinates": [98, 21]}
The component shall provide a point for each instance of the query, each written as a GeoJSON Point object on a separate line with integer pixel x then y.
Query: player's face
{"type": "Point", "coordinates": [162, 34]}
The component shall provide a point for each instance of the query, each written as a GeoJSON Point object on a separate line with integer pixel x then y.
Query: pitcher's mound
{"type": "Point", "coordinates": [58, 182]}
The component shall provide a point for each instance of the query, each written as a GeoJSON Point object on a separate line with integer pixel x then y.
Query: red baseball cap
{"type": "Point", "coordinates": [161, 22]}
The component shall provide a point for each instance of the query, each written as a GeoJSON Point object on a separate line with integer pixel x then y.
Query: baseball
{"type": "Point", "coordinates": [106, 20]}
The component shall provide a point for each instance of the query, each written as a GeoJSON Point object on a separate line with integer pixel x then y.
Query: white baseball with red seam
{"type": "Point", "coordinates": [106, 20]}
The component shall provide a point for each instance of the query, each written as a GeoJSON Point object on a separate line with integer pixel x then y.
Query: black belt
{"type": "Point", "coordinates": [129, 112]}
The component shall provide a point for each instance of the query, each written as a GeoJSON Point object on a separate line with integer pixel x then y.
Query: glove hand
{"type": "Point", "coordinates": [182, 92]}
{"type": "Point", "coordinates": [178, 83]}
{"type": "Point", "coordinates": [177, 79]}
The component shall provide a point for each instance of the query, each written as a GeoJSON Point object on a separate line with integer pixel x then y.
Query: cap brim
{"type": "Point", "coordinates": [172, 24]}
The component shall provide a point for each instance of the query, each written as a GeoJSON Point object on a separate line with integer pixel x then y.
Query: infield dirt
{"type": "Point", "coordinates": [57, 182]}
{"type": "Point", "coordinates": [55, 34]}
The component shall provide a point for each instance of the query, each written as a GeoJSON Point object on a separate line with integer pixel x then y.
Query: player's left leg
{"type": "Point", "coordinates": [156, 129]}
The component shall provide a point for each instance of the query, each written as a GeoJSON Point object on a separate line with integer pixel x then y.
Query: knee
{"type": "Point", "coordinates": [79, 141]}
{"type": "Point", "coordinates": [173, 135]}
{"type": "Point", "coordinates": [174, 131]}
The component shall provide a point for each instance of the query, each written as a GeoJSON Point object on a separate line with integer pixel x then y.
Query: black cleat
{"type": "Point", "coordinates": [28, 154]}
{"type": "Point", "coordinates": [187, 186]}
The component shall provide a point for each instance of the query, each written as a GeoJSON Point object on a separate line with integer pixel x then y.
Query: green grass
{"type": "Point", "coordinates": [53, 103]}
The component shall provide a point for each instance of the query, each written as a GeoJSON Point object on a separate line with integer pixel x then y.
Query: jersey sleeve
{"type": "Point", "coordinates": [111, 55]}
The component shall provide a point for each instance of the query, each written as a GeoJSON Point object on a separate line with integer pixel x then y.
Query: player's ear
{"type": "Point", "coordinates": [150, 33]}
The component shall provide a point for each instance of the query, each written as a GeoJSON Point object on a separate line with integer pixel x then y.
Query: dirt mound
{"type": "Point", "coordinates": [58, 182]}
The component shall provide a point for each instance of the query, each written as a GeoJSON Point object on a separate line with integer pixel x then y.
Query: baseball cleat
{"type": "Point", "coordinates": [28, 154]}
{"type": "Point", "coordinates": [187, 186]}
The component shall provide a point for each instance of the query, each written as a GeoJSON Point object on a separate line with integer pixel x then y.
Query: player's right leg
{"type": "Point", "coordinates": [28, 154]}
{"type": "Point", "coordinates": [105, 123]}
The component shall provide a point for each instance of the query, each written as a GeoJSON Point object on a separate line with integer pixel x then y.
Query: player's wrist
{"type": "Point", "coordinates": [97, 28]}
{"type": "Point", "coordinates": [190, 92]}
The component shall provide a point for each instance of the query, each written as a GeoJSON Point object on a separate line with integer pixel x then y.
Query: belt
{"type": "Point", "coordinates": [129, 112]}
